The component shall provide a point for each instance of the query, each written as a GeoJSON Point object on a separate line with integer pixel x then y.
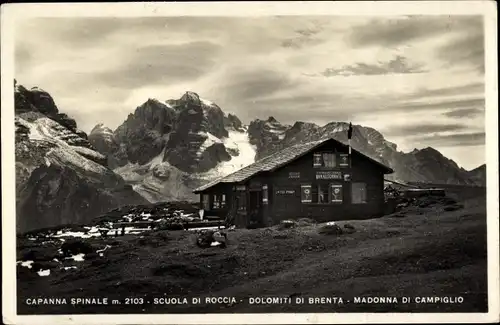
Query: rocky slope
{"type": "Point", "coordinates": [166, 149]}
{"type": "Point", "coordinates": [425, 165]}
{"type": "Point", "coordinates": [479, 175]}
{"type": "Point", "coordinates": [60, 177]}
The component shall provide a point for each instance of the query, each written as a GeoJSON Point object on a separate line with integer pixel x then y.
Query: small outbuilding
{"type": "Point", "coordinates": [324, 180]}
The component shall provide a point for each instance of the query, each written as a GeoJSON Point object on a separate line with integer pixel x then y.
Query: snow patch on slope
{"type": "Point", "coordinates": [237, 141]}
{"type": "Point", "coordinates": [45, 129]}
{"type": "Point", "coordinates": [211, 140]}
{"type": "Point", "coordinates": [206, 102]}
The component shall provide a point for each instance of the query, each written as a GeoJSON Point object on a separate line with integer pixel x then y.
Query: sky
{"type": "Point", "coordinates": [419, 80]}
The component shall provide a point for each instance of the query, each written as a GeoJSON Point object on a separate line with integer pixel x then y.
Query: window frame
{"type": "Point", "coordinates": [365, 192]}
{"type": "Point", "coordinates": [319, 160]}
{"type": "Point", "coordinates": [315, 188]}
{"type": "Point", "coordinates": [205, 201]}
{"type": "Point", "coordinates": [303, 188]}
{"type": "Point", "coordinates": [331, 187]}
{"type": "Point", "coordinates": [219, 201]}
{"type": "Point", "coordinates": [265, 194]}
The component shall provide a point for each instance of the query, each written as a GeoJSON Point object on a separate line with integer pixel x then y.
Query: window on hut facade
{"type": "Point", "coordinates": [241, 202]}
{"type": "Point", "coordinates": [327, 160]}
{"type": "Point", "coordinates": [205, 199]}
{"type": "Point", "coordinates": [265, 194]}
{"type": "Point", "coordinates": [321, 193]}
{"type": "Point", "coordinates": [336, 194]}
{"type": "Point", "coordinates": [358, 193]}
{"type": "Point", "coordinates": [306, 193]}
{"type": "Point", "coordinates": [219, 201]}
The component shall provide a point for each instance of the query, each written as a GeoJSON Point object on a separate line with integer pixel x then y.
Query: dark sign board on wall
{"type": "Point", "coordinates": [328, 175]}
{"type": "Point", "coordinates": [285, 192]}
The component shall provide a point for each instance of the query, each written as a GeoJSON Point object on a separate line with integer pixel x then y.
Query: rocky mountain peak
{"type": "Point", "coordinates": [100, 128]}
{"type": "Point", "coordinates": [232, 121]}
{"type": "Point", "coordinates": [60, 177]}
{"type": "Point", "coordinates": [271, 119]}
{"type": "Point", "coordinates": [479, 168]}
{"type": "Point", "coordinates": [191, 97]}
{"type": "Point", "coordinates": [430, 151]}
{"type": "Point", "coordinates": [478, 175]}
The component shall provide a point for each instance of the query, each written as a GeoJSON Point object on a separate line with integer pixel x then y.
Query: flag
{"type": "Point", "coordinates": [349, 131]}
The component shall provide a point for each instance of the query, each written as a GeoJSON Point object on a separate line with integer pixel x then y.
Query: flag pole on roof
{"type": "Point", "coordinates": [349, 136]}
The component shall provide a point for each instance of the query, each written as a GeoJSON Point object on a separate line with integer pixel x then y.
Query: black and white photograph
{"type": "Point", "coordinates": [219, 160]}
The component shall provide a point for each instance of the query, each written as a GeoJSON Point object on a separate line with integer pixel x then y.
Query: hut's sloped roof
{"type": "Point", "coordinates": [273, 162]}
{"type": "Point", "coordinates": [265, 164]}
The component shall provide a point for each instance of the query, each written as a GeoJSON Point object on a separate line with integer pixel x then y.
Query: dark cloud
{"type": "Point", "coordinates": [468, 49]}
{"type": "Point", "coordinates": [162, 64]}
{"type": "Point", "coordinates": [250, 85]}
{"type": "Point", "coordinates": [445, 104]}
{"type": "Point", "coordinates": [473, 88]}
{"type": "Point", "coordinates": [304, 37]}
{"type": "Point", "coordinates": [320, 107]}
{"type": "Point", "coordinates": [298, 42]}
{"type": "Point", "coordinates": [454, 140]}
{"type": "Point", "coordinates": [464, 113]}
{"type": "Point", "coordinates": [306, 32]}
{"type": "Point", "coordinates": [398, 65]}
{"type": "Point", "coordinates": [418, 128]}
{"type": "Point", "coordinates": [393, 32]}
{"type": "Point", "coordinates": [81, 32]}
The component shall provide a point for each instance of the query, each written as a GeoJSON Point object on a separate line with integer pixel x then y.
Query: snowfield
{"type": "Point", "coordinates": [240, 142]}
{"type": "Point", "coordinates": [206, 102]}
{"type": "Point", "coordinates": [211, 140]}
{"type": "Point", "coordinates": [45, 129]}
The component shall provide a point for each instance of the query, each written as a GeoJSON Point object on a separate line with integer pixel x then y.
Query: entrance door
{"type": "Point", "coordinates": [255, 209]}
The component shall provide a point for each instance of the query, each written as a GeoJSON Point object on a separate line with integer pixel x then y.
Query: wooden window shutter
{"type": "Point", "coordinates": [317, 160]}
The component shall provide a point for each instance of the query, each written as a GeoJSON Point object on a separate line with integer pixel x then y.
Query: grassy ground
{"type": "Point", "coordinates": [422, 252]}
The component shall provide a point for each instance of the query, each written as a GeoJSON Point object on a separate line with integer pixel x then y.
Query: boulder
{"type": "Point", "coordinates": [205, 239]}
{"type": "Point", "coordinates": [74, 247]}
{"type": "Point", "coordinates": [331, 228]}
{"type": "Point", "coordinates": [286, 224]}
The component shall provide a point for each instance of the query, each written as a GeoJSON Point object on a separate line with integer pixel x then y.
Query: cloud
{"type": "Point", "coordinates": [402, 30]}
{"type": "Point", "coordinates": [162, 64]}
{"type": "Point", "coordinates": [398, 65]}
{"type": "Point", "coordinates": [464, 113]}
{"type": "Point", "coordinates": [437, 105]}
{"type": "Point", "coordinates": [471, 88]}
{"type": "Point", "coordinates": [468, 48]}
{"type": "Point", "coordinates": [419, 128]}
{"type": "Point", "coordinates": [303, 37]}
{"type": "Point", "coordinates": [455, 140]}
{"type": "Point", "coordinates": [253, 83]}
